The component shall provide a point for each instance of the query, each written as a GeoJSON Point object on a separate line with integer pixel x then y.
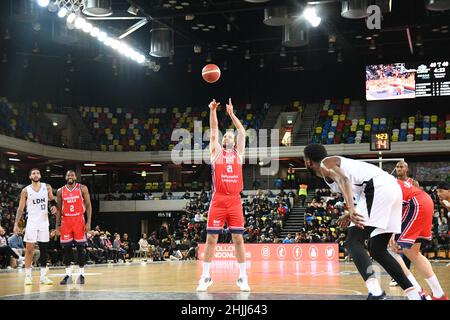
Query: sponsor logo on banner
{"type": "Point", "coordinates": [313, 253]}
{"type": "Point", "coordinates": [228, 251]}
{"type": "Point", "coordinates": [265, 252]}
{"type": "Point", "coordinates": [281, 252]}
{"type": "Point", "coordinates": [297, 253]}
{"type": "Point", "coordinates": [329, 252]}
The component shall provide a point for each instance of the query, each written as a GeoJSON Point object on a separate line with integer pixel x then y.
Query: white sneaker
{"type": "Point", "coordinates": [393, 283]}
{"type": "Point", "coordinates": [204, 283]}
{"type": "Point", "coordinates": [242, 283]}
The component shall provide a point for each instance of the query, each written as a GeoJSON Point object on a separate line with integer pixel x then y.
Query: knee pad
{"type": "Point", "coordinates": [81, 251]}
{"type": "Point", "coordinates": [43, 248]}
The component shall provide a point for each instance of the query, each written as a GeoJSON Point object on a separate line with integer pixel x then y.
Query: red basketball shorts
{"type": "Point", "coordinates": [417, 221]}
{"type": "Point", "coordinates": [73, 229]}
{"type": "Point", "coordinates": [225, 209]}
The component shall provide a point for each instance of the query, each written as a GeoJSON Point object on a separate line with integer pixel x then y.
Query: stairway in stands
{"type": "Point", "coordinates": [308, 122]}
{"type": "Point", "coordinates": [296, 218]}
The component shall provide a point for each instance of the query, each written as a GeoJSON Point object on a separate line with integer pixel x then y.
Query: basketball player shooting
{"type": "Point", "coordinates": [73, 201]}
{"type": "Point", "coordinates": [375, 215]}
{"type": "Point", "coordinates": [36, 198]}
{"type": "Point", "coordinates": [226, 205]}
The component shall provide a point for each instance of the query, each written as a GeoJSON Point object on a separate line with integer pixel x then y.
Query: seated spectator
{"type": "Point", "coordinates": [119, 250]}
{"type": "Point", "coordinates": [164, 196]}
{"type": "Point", "coordinates": [288, 239]}
{"type": "Point", "coordinates": [186, 195]}
{"type": "Point", "coordinates": [198, 217]}
{"type": "Point", "coordinates": [6, 251]}
{"type": "Point", "coordinates": [127, 245]}
{"type": "Point", "coordinates": [157, 250]}
{"type": "Point", "coordinates": [144, 246]}
{"type": "Point", "coordinates": [15, 241]}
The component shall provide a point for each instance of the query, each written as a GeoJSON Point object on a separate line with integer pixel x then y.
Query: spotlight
{"type": "Point", "coordinates": [283, 52]}
{"type": "Point", "coordinates": [79, 22]}
{"type": "Point", "coordinates": [141, 59]}
{"type": "Point", "coordinates": [71, 17]}
{"type": "Point", "coordinates": [102, 36]}
{"type": "Point", "coordinates": [311, 15]}
{"type": "Point", "coordinates": [261, 63]}
{"type": "Point", "coordinates": [62, 12]}
{"type": "Point", "coordinates": [87, 27]}
{"type": "Point", "coordinates": [209, 58]}
{"type": "Point", "coordinates": [95, 32]}
{"type": "Point", "coordinates": [225, 66]}
{"type": "Point", "coordinates": [55, 124]}
{"type": "Point", "coordinates": [108, 41]}
{"type": "Point", "coordinates": [43, 3]}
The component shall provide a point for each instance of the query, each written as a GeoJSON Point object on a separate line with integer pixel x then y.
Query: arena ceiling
{"type": "Point", "coordinates": [228, 30]}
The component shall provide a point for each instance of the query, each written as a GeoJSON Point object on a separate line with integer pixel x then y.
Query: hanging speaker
{"type": "Point", "coordinates": [98, 8]}
{"type": "Point", "coordinates": [276, 16]}
{"type": "Point", "coordinates": [295, 34]}
{"type": "Point", "coordinates": [161, 43]}
{"type": "Point", "coordinates": [354, 9]}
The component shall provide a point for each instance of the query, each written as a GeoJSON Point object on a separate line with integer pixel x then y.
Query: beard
{"type": "Point", "coordinates": [311, 171]}
{"type": "Point", "coordinates": [36, 179]}
{"type": "Point", "coordinates": [70, 181]}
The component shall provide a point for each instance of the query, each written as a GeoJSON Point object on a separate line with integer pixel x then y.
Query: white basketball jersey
{"type": "Point", "coordinates": [359, 173]}
{"type": "Point", "coordinates": [37, 206]}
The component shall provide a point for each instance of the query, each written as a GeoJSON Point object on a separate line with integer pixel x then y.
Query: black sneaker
{"type": "Point", "coordinates": [80, 279]}
{"type": "Point", "coordinates": [381, 297]}
{"type": "Point", "coordinates": [67, 279]}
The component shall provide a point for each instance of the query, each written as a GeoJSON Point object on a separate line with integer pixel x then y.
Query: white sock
{"type": "Point", "coordinates": [206, 266]}
{"type": "Point", "coordinates": [69, 271]}
{"type": "Point", "coordinates": [243, 270]}
{"type": "Point", "coordinates": [43, 272]}
{"type": "Point", "coordinates": [82, 271]}
{"type": "Point", "coordinates": [413, 294]}
{"type": "Point", "coordinates": [414, 282]}
{"type": "Point", "coordinates": [435, 286]}
{"type": "Point", "coordinates": [28, 272]}
{"type": "Point", "coordinates": [373, 286]}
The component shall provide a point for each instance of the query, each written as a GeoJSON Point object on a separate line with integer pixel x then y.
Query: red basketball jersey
{"type": "Point", "coordinates": [409, 190]}
{"type": "Point", "coordinates": [72, 201]}
{"type": "Point", "coordinates": [227, 172]}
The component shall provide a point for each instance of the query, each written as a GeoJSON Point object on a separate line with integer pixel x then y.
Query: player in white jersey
{"type": "Point", "coordinates": [374, 201]}
{"type": "Point", "coordinates": [36, 198]}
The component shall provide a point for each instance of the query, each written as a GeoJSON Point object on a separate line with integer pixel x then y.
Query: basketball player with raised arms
{"type": "Point", "coordinates": [374, 201]}
{"type": "Point", "coordinates": [73, 201]}
{"type": "Point", "coordinates": [417, 222]}
{"type": "Point", "coordinates": [36, 197]}
{"type": "Point", "coordinates": [226, 206]}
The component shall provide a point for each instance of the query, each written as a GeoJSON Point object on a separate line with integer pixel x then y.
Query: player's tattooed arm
{"type": "Point", "coordinates": [240, 139]}
{"type": "Point", "coordinates": [214, 145]}
{"type": "Point", "coordinates": [20, 209]}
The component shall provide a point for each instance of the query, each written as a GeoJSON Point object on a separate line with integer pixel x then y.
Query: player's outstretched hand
{"type": "Point", "coordinates": [229, 105]}
{"type": "Point", "coordinates": [357, 219]}
{"type": "Point", "coordinates": [344, 221]}
{"type": "Point", "coordinates": [213, 105]}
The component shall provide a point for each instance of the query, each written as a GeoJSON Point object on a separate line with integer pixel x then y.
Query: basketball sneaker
{"type": "Point", "coordinates": [67, 279]}
{"type": "Point", "coordinates": [444, 297]}
{"type": "Point", "coordinates": [46, 280]}
{"type": "Point", "coordinates": [242, 283]}
{"type": "Point", "coordinates": [80, 279]}
{"type": "Point", "coordinates": [28, 281]}
{"type": "Point", "coordinates": [204, 283]}
{"type": "Point", "coordinates": [381, 297]}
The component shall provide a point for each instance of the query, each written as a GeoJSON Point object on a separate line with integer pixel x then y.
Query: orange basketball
{"type": "Point", "coordinates": [211, 73]}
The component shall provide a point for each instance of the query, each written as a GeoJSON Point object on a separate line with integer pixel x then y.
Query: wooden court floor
{"type": "Point", "coordinates": [178, 280]}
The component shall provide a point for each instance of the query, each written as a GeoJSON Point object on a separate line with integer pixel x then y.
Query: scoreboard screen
{"type": "Point", "coordinates": [407, 80]}
{"type": "Point", "coordinates": [433, 79]}
{"type": "Point", "coordinates": [380, 141]}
